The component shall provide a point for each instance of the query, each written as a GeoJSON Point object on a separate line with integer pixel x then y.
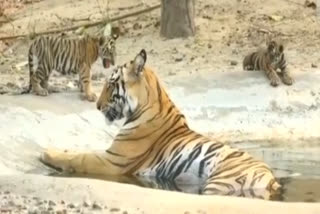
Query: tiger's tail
{"type": "Point", "coordinates": [31, 69]}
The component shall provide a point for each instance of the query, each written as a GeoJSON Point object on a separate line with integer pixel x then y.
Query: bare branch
{"type": "Point", "coordinates": [85, 25]}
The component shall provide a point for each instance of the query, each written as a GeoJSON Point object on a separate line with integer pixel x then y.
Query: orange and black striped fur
{"type": "Point", "coordinates": [156, 141]}
{"type": "Point", "coordinates": [269, 60]}
{"type": "Point", "coordinates": [68, 55]}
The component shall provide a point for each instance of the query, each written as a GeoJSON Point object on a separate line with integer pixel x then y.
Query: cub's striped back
{"type": "Point", "coordinates": [68, 55]}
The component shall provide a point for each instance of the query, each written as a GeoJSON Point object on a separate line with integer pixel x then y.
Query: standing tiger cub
{"type": "Point", "coordinates": [68, 55]}
{"type": "Point", "coordinates": [269, 60]}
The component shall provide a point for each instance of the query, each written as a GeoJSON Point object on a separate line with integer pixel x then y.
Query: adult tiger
{"type": "Point", "coordinates": [155, 141]}
{"type": "Point", "coordinates": [68, 55]}
{"type": "Point", "coordinates": [269, 60]}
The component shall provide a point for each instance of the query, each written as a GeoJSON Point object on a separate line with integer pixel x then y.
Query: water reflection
{"type": "Point", "coordinates": [192, 187]}
{"type": "Point", "coordinates": [297, 170]}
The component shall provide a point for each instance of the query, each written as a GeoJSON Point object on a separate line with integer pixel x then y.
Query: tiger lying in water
{"type": "Point", "coordinates": [66, 56]}
{"type": "Point", "coordinates": [155, 141]}
{"type": "Point", "coordinates": [269, 60]}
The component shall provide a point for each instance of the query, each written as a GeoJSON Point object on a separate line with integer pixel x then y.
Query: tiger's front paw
{"type": "Point", "coordinates": [275, 81]}
{"type": "Point", "coordinates": [92, 97]}
{"type": "Point", "coordinates": [286, 79]}
{"type": "Point", "coordinates": [50, 157]}
{"type": "Point", "coordinates": [42, 92]}
{"type": "Point", "coordinates": [55, 158]}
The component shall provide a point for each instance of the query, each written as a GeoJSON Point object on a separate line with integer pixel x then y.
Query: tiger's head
{"type": "Point", "coordinates": [107, 49]}
{"type": "Point", "coordinates": [275, 51]}
{"type": "Point", "coordinates": [126, 89]}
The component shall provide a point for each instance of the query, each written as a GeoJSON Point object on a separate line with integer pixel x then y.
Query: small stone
{"type": "Point", "coordinates": [114, 210]}
{"type": "Point", "coordinates": [64, 211]}
{"type": "Point", "coordinates": [233, 63]}
{"type": "Point", "coordinates": [33, 211]}
{"type": "Point", "coordinates": [6, 192]}
{"type": "Point", "coordinates": [11, 203]}
{"type": "Point", "coordinates": [313, 65]}
{"type": "Point", "coordinates": [137, 26]}
{"type": "Point", "coordinates": [171, 73]}
{"type": "Point", "coordinates": [178, 58]}
{"type": "Point", "coordinates": [71, 206]}
{"type": "Point", "coordinates": [96, 206]}
{"type": "Point", "coordinates": [62, 202]}
{"type": "Point", "coordinates": [124, 212]}
{"type": "Point", "coordinates": [52, 203]}
{"type": "Point", "coordinates": [85, 204]}
{"type": "Point", "coordinates": [209, 46]}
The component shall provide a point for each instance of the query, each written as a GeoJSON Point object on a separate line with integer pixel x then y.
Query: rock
{"type": "Point", "coordinates": [86, 204]}
{"type": "Point", "coordinates": [310, 4]}
{"type": "Point", "coordinates": [233, 63]}
{"type": "Point", "coordinates": [52, 203]}
{"type": "Point", "coordinates": [33, 210]}
{"type": "Point", "coordinates": [178, 58]}
{"type": "Point", "coordinates": [276, 18]}
{"type": "Point", "coordinates": [171, 73]}
{"type": "Point", "coordinates": [137, 26]}
{"type": "Point", "coordinates": [313, 65]}
{"type": "Point", "coordinates": [114, 210]}
{"type": "Point", "coordinates": [71, 205]}
{"type": "Point", "coordinates": [209, 46]}
{"type": "Point", "coordinates": [96, 206]}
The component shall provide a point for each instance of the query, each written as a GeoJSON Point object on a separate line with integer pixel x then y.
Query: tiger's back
{"type": "Point", "coordinates": [155, 141]}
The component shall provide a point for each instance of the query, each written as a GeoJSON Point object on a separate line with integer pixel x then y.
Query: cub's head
{"type": "Point", "coordinates": [107, 49]}
{"type": "Point", "coordinates": [275, 51]}
{"type": "Point", "coordinates": [126, 89]}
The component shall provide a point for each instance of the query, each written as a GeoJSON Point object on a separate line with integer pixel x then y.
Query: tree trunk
{"type": "Point", "coordinates": [177, 18]}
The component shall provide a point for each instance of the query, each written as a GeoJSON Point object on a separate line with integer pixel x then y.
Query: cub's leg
{"type": "Point", "coordinates": [76, 162]}
{"type": "Point", "coordinates": [45, 84]}
{"type": "Point", "coordinates": [36, 79]}
{"type": "Point", "coordinates": [85, 81]}
{"type": "Point", "coordinates": [80, 86]}
{"type": "Point", "coordinates": [273, 76]}
{"type": "Point", "coordinates": [286, 77]}
{"type": "Point", "coordinates": [247, 63]}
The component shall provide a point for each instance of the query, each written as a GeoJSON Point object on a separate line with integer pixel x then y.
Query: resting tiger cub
{"type": "Point", "coordinates": [155, 141]}
{"type": "Point", "coordinates": [269, 60]}
{"type": "Point", "coordinates": [68, 55]}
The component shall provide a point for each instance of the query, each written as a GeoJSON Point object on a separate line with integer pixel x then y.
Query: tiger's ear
{"type": "Point", "coordinates": [271, 46]}
{"type": "Point", "coordinates": [281, 48]}
{"type": "Point", "coordinates": [115, 32]}
{"type": "Point", "coordinates": [102, 39]}
{"type": "Point", "coordinates": [115, 36]}
{"type": "Point", "coordinates": [139, 62]}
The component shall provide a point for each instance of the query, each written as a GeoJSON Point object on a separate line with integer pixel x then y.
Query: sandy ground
{"type": "Point", "coordinates": [204, 77]}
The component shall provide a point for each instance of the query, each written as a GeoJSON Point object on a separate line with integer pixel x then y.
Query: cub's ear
{"type": "Point", "coordinates": [271, 46]}
{"type": "Point", "coordinates": [115, 32]}
{"type": "Point", "coordinates": [102, 39]}
{"type": "Point", "coordinates": [281, 48]}
{"type": "Point", "coordinates": [115, 36]}
{"type": "Point", "coordinates": [139, 62]}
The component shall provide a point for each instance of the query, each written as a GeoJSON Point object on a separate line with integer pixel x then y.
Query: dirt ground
{"type": "Point", "coordinates": [226, 30]}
